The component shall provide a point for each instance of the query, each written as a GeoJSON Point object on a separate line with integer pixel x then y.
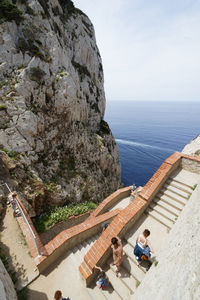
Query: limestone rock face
{"type": "Point", "coordinates": [193, 148]}
{"type": "Point", "coordinates": [7, 291]}
{"type": "Point", "coordinates": [52, 106]}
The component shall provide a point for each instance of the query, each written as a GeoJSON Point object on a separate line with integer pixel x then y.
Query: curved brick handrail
{"type": "Point", "coordinates": [112, 199]}
{"type": "Point", "coordinates": [100, 251]}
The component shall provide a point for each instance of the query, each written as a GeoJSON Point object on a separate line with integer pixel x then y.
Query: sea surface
{"type": "Point", "coordinates": [148, 132]}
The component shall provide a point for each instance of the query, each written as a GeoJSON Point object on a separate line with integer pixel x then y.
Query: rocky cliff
{"type": "Point", "coordinates": [55, 145]}
{"type": "Point", "coordinates": [193, 148]}
{"type": "Point", "coordinates": [7, 290]}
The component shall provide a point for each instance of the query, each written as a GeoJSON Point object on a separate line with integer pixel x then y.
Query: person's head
{"type": "Point", "coordinates": [146, 233]}
{"type": "Point", "coordinates": [105, 226]}
{"type": "Point", "coordinates": [58, 295]}
{"type": "Point", "coordinates": [14, 195]}
{"type": "Point", "coordinates": [102, 274]}
{"type": "Point", "coordinates": [114, 241]}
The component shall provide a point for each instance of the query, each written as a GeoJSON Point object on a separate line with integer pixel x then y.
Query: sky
{"type": "Point", "coordinates": [150, 48]}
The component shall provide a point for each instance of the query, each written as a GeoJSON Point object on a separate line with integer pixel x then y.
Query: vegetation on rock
{"type": "Point", "coordinates": [36, 74]}
{"type": "Point", "coordinates": [10, 12]}
{"type": "Point", "coordinates": [58, 214]}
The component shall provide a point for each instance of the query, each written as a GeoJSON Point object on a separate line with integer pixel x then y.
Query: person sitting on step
{"type": "Point", "coordinates": [143, 247]}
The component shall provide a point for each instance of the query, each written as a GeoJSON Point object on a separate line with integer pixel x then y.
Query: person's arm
{"type": "Point", "coordinates": [98, 268]}
{"type": "Point", "coordinates": [149, 244]}
{"type": "Point", "coordinates": [137, 238]}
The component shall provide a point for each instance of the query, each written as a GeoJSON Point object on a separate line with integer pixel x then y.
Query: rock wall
{"type": "Point", "coordinates": [52, 105]}
{"type": "Point", "coordinates": [193, 148]}
{"type": "Point", "coordinates": [7, 291]}
{"type": "Point", "coordinates": [177, 274]}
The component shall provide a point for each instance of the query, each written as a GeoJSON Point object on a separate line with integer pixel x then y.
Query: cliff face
{"type": "Point", "coordinates": [7, 290]}
{"type": "Point", "coordinates": [52, 105]}
{"type": "Point", "coordinates": [193, 148]}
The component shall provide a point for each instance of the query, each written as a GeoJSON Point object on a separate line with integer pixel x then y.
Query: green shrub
{"type": "Point", "coordinates": [59, 214]}
{"type": "Point", "coordinates": [104, 128]}
{"type": "Point", "coordinates": [197, 152]}
{"type": "Point", "coordinates": [36, 74]}
{"type": "Point", "coordinates": [11, 154]}
{"type": "Point", "coordinates": [29, 46]}
{"type": "Point", "coordinates": [23, 294]}
{"type": "Point", "coordinates": [10, 12]}
{"type": "Point", "coordinates": [155, 263]}
{"type": "Point", "coordinates": [30, 11]}
{"type": "Point", "coordinates": [194, 186]}
{"type": "Point", "coordinates": [3, 107]}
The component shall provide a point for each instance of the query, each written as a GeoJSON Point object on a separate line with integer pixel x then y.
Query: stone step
{"type": "Point", "coordinates": [86, 245]}
{"type": "Point", "coordinates": [176, 191]}
{"type": "Point", "coordinates": [167, 207]}
{"type": "Point", "coordinates": [137, 271]}
{"type": "Point", "coordinates": [173, 196]}
{"type": "Point", "coordinates": [179, 185]}
{"type": "Point", "coordinates": [159, 218]}
{"type": "Point", "coordinates": [163, 212]}
{"type": "Point", "coordinates": [119, 287]}
{"type": "Point", "coordinates": [78, 255]}
{"type": "Point", "coordinates": [96, 294]}
{"type": "Point", "coordinates": [126, 278]}
{"type": "Point", "coordinates": [179, 206]}
{"type": "Point", "coordinates": [132, 268]}
{"type": "Point", "coordinates": [110, 294]}
{"type": "Point", "coordinates": [181, 182]}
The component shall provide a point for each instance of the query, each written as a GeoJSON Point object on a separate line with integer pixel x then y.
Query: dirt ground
{"type": "Point", "coordinates": [14, 247]}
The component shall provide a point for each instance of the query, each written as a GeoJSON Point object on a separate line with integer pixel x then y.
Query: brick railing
{"type": "Point", "coordinates": [110, 201]}
{"type": "Point", "coordinates": [101, 250]}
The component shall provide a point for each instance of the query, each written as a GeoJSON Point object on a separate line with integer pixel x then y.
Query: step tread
{"type": "Point", "coordinates": [96, 294]}
{"type": "Point", "coordinates": [160, 218]}
{"type": "Point", "coordinates": [137, 271]}
{"type": "Point", "coordinates": [132, 268]}
{"type": "Point", "coordinates": [179, 206]}
{"type": "Point", "coordinates": [163, 212]}
{"type": "Point", "coordinates": [180, 185]}
{"type": "Point", "coordinates": [173, 196]}
{"type": "Point", "coordinates": [126, 278]}
{"type": "Point", "coordinates": [118, 285]}
{"type": "Point", "coordinates": [176, 191]}
{"type": "Point", "coordinates": [166, 206]}
{"type": "Point", "coordinates": [180, 182]}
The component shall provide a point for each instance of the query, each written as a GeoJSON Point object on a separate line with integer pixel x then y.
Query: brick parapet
{"type": "Point", "coordinates": [112, 199]}
{"type": "Point", "coordinates": [72, 236]}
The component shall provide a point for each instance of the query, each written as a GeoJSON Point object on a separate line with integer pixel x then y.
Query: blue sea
{"type": "Point", "coordinates": [148, 132]}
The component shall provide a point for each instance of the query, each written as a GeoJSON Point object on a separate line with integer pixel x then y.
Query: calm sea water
{"type": "Point", "coordinates": [148, 132]}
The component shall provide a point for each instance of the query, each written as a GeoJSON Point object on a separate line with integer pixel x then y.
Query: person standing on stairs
{"type": "Point", "coordinates": [117, 253]}
{"type": "Point", "coordinates": [143, 246]}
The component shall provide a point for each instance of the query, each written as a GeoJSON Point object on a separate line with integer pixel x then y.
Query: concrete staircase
{"type": "Point", "coordinates": [169, 202]}
{"type": "Point", "coordinates": [159, 217]}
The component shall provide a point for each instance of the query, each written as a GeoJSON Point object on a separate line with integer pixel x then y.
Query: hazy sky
{"type": "Point", "coordinates": [150, 48]}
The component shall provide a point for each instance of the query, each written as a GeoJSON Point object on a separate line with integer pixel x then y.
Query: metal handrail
{"type": "Point", "coordinates": [27, 223]}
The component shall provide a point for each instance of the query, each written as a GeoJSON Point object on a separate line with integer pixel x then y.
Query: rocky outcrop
{"type": "Point", "coordinates": [52, 105]}
{"type": "Point", "coordinates": [7, 290]}
{"type": "Point", "coordinates": [193, 148]}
